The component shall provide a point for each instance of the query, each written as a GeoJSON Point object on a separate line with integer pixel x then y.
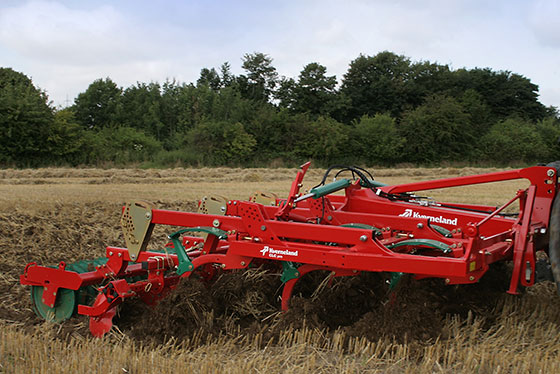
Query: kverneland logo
{"type": "Point", "coordinates": [409, 213]}
{"type": "Point", "coordinates": [277, 253]}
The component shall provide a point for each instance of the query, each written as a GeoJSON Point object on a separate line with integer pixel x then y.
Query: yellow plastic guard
{"type": "Point", "coordinates": [264, 198]}
{"type": "Point", "coordinates": [137, 226]}
{"type": "Point", "coordinates": [215, 205]}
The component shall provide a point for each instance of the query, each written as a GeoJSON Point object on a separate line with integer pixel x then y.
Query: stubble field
{"type": "Point", "coordinates": [233, 326]}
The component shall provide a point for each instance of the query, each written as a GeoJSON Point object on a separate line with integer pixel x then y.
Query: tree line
{"type": "Point", "coordinates": [385, 110]}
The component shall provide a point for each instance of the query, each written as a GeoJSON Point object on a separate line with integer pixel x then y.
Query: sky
{"type": "Point", "coordinates": [64, 45]}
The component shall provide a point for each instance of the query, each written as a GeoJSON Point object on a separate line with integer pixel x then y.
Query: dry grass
{"type": "Point", "coordinates": [525, 339]}
{"type": "Point", "coordinates": [48, 215]}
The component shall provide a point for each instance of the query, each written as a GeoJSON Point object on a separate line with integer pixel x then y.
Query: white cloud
{"type": "Point", "coordinates": [66, 49]}
{"type": "Point", "coordinates": [64, 45]}
{"type": "Point", "coordinates": [54, 33]}
{"type": "Point", "coordinates": [545, 22]}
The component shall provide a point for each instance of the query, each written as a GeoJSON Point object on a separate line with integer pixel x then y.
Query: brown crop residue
{"type": "Point", "coordinates": [415, 318]}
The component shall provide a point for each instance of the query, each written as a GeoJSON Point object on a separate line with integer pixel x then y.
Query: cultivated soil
{"type": "Point", "coordinates": [56, 216]}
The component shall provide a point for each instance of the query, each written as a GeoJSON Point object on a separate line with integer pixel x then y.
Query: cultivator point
{"type": "Point", "coordinates": [372, 227]}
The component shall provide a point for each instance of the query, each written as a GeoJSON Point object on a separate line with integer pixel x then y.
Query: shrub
{"type": "Point", "coordinates": [513, 140]}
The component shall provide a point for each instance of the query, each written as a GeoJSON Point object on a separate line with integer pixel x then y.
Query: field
{"type": "Point", "coordinates": [233, 326]}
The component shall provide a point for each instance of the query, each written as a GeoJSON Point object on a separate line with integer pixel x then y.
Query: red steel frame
{"type": "Point", "coordinates": [309, 233]}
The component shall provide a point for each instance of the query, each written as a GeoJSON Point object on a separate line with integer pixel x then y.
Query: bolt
{"type": "Point", "coordinates": [235, 203]}
{"type": "Point", "coordinates": [242, 263]}
{"type": "Point", "coordinates": [263, 228]}
{"type": "Point", "coordinates": [223, 266]}
{"type": "Point", "coordinates": [363, 238]}
{"type": "Point", "coordinates": [550, 172]}
{"type": "Point", "coordinates": [447, 280]}
{"type": "Point", "coordinates": [329, 218]}
{"type": "Point", "coordinates": [257, 240]}
{"type": "Point", "coordinates": [54, 293]}
{"type": "Point", "coordinates": [419, 225]}
{"type": "Point", "coordinates": [296, 274]}
{"type": "Point", "coordinates": [157, 272]}
{"type": "Point", "coordinates": [133, 257]}
{"type": "Point", "coordinates": [471, 278]}
{"type": "Point", "coordinates": [119, 254]}
{"type": "Point", "coordinates": [110, 253]}
{"type": "Point", "coordinates": [216, 223]}
{"type": "Point", "coordinates": [190, 267]}
{"type": "Point", "coordinates": [148, 215]}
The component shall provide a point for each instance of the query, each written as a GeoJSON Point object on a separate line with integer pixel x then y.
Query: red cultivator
{"type": "Point", "coordinates": [372, 227]}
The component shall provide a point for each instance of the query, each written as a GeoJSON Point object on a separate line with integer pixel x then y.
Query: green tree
{"type": "Point", "coordinates": [140, 107]}
{"type": "Point", "coordinates": [549, 132]}
{"type": "Point", "coordinates": [261, 78]}
{"type": "Point", "coordinates": [194, 105]}
{"type": "Point", "coordinates": [66, 139]}
{"type": "Point", "coordinates": [120, 145]}
{"type": "Point", "coordinates": [216, 80]}
{"type": "Point", "coordinates": [324, 140]}
{"type": "Point", "coordinates": [26, 120]}
{"type": "Point", "coordinates": [286, 93]}
{"type": "Point", "coordinates": [426, 79]}
{"type": "Point", "coordinates": [226, 77]}
{"type": "Point", "coordinates": [377, 140]}
{"type": "Point", "coordinates": [221, 143]}
{"type": "Point", "coordinates": [313, 93]}
{"type": "Point", "coordinates": [276, 132]}
{"type": "Point", "coordinates": [209, 78]}
{"type": "Point", "coordinates": [169, 114]}
{"type": "Point", "coordinates": [514, 139]}
{"type": "Point", "coordinates": [228, 105]}
{"type": "Point", "coordinates": [480, 115]}
{"type": "Point", "coordinates": [437, 130]}
{"type": "Point", "coordinates": [97, 106]}
{"type": "Point", "coordinates": [377, 84]}
{"type": "Point", "coordinates": [506, 94]}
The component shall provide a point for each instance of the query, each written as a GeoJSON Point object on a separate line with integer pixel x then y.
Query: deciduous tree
{"type": "Point", "coordinates": [97, 106]}
{"type": "Point", "coordinates": [26, 120]}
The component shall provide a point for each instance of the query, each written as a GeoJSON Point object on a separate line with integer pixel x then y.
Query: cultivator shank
{"type": "Point", "coordinates": [372, 227]}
